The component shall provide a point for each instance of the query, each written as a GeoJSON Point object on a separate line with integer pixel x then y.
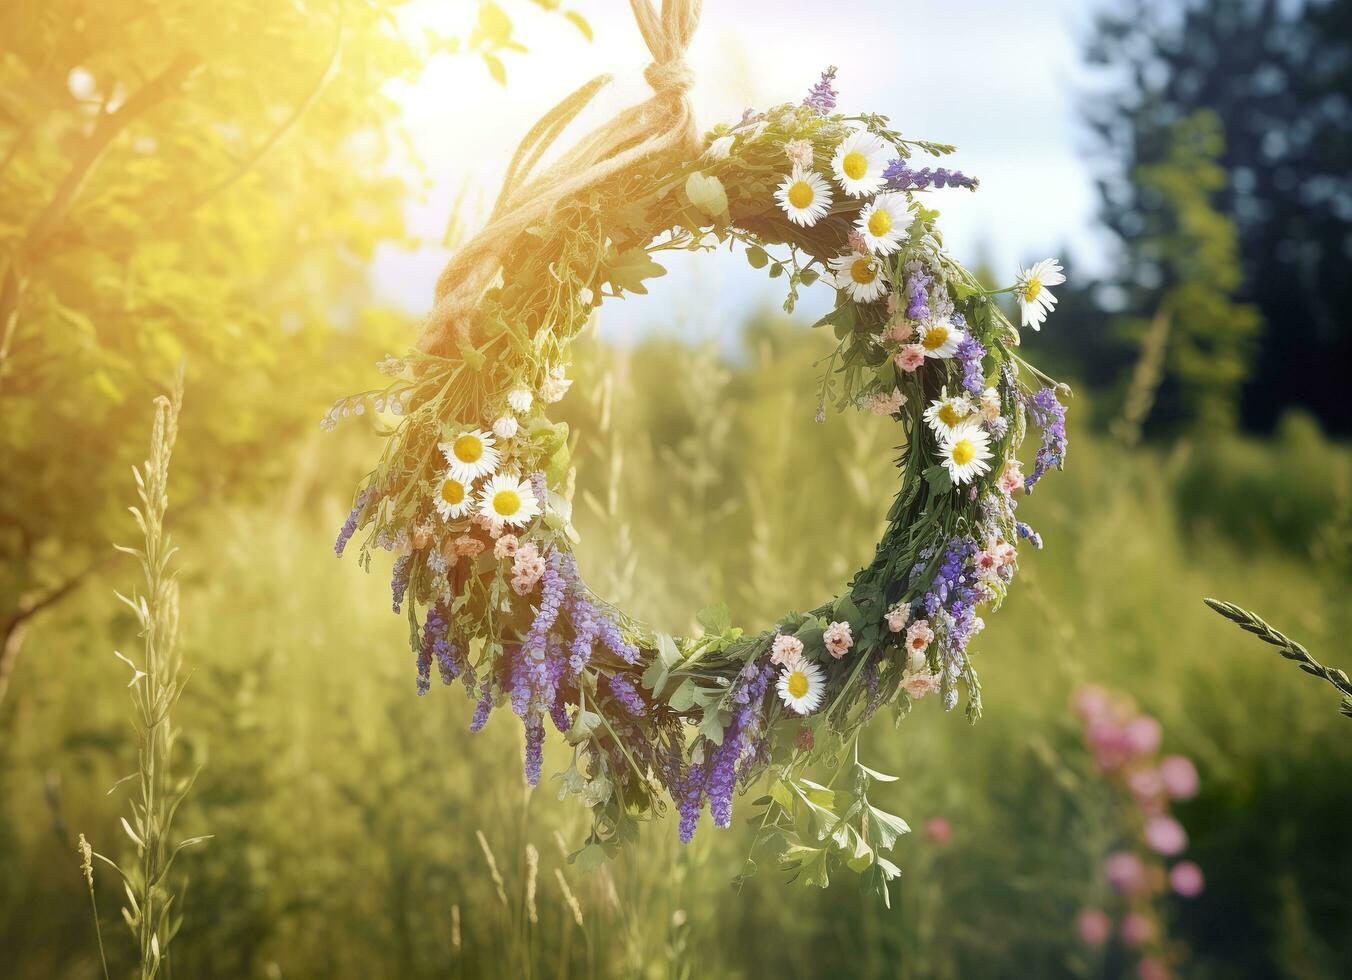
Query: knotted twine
{"type": "Point", "coordinates": [663, 123]}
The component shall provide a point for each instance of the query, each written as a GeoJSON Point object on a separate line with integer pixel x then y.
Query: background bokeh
{"type": "Point", "coordinates": [266, 189]}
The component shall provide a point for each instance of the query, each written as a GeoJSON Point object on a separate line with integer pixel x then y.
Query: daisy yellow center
{"type": "Point", "coordinates": [1031, 289]}
{"type": "Point", "coordinates": [468, 449]}
{"type": "Point", "coordinates": [800, 194]}
{"type": "Point", "coordinates": [798, 684]}
{"type": "Point", "coordinates": [935, 337]}
{"type": "Point", "coordinates": [963, 452]}
{"type": "Point", "coordinates": [863, 272]}
{"type": "Point", "coordinates": [453, 492]}
{"type": "Point", "coordinates": [949, 416]}
{"type": "Point", "coordinates": [506, 502]}
{"type": "Point", "coordinates": [879, 223]}
{"type": "Point", "coordinates": [855, 165]}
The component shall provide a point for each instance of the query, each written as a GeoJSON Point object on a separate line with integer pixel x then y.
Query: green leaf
{"type": "Point", "coordinates": [810, 633]}
{"type": "Point", "coordinates": [874, 774]}
{"type": "Point", "coordinates": [885, 827]}
{"type": "Point", "coordinates": [714, 724]}
{"type": "Point", "coordinates": [715, 619]}
{"type": "Point", "coordinates": [757, 257]}
{"type": "Point", "coordinates": [589, 858]}
{"type": "Point", "coordinates": [808, 276]}
{"type": "Point", "coordinates": [706, 193]}
{"type": "Point", "coordinates": [846, 610]}
{"type": "Point", "coordinates": [683, 698]}
{"type": "Point", "coordinates": [628, 269]}
{"type": "Point", "coordinates": [938, 478]}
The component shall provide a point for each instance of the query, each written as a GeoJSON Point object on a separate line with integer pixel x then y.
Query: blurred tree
{"type": "Point", "coordinates": [185, 181]}
{"type": "Point", "coordinates": [1275, 78]}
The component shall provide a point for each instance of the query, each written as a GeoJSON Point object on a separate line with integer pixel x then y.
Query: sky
{"type": "Point", "coordinates": [998, 79]}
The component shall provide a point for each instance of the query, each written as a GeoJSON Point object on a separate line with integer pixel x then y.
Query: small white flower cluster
{"type": "Point", "coordinates": [396, 403]}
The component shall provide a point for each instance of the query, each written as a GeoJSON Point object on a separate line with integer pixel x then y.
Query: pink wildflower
{"type": "Point", "coordinates": [939, 830]}
{"type": "Point", "coordinates": [1011, 479]}
{"type": "Point", "coordinates": [1137, 929]}
{"type": "Point", "coordinates": [838, 639]}
{"type": "Point", "coordinates": [987, 565]}
{"type": "Point", "coordinates": [909, 357]}
{"type": "Point", "coordinates": [901, 331]}
{"type": "Point", "coordinates": [1124, 872]}
{"type": "Point", "coordinates": [897, 617]}
{"type": "Point", "coordinates": [1094, 927]}
{"type": "Point", "coordinates": [1165, 835]}
{"type": "Point", "coordinates": [1186, 879]}
{"type": "Point", "coordinates": [919, 636]}
{"type": "Point", "coordinates": [799, 153]}
{"type": "Point", "coordinates": [920, 683]}
{"type": "Point", "coordinates": [467, 546]}
{"type": "Point", "coordinates": [1179, 776]}
{"type": "Point", "coordinates": [785, 650]}
{"type": "Point", "coordinates": [1143, 735]}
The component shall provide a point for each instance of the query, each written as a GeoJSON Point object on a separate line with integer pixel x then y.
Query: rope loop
{"type": "Point", "coordinates": [664, 124]}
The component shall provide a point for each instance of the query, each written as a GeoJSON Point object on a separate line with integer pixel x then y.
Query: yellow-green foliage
{"type": "Point", "coordinates": [176, 180]}
{"type": "Point", "coordinates": [344, 809]}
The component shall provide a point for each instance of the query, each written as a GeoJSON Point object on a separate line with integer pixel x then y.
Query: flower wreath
{"type": "Point", "coordinates": [470, 493]}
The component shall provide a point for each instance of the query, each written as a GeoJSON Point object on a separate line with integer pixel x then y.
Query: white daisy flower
{"type": "Point", "coordinates": [882, 222]}
{"type": "Point", "coordinates": [966, 452]}
{"type": "Point", "coordinates": [800, 686]}
{"type": "Point", "coordinates": [453, 498]}
{"type": "Point", "coordinates": [947, 412]}
{"type": "Point", "coordinates": [471, 455]}
{"type": "Point", "coordinates": [1035, 300]}
{"type": "Point", "coordinates": [860, 275]}
{"type": "Point", "coordinates": [939, 338]}
{"type": "Point", "coordinates": [508, 499]}
{"type": "Point", "coordinates": [519, 400]}
{"type": "Point", "coordinates": [858, 163]}
{"type": "Point", "coordinates": [720, 148]}
{"type": "Point", "coordinates": [804, 196]}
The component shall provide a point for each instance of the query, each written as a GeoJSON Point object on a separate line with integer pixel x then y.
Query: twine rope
{"type": "Point", "coordinates": [664, 123]}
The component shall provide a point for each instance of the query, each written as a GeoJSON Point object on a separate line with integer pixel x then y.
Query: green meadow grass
{"type": "Point", "coordinates": [346, 811]}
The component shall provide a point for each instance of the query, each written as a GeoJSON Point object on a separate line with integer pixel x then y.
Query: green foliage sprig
{"type": "Point", "coordinates": [1251, 622]}
{"type": "Point", "coordinates": [156, 685]}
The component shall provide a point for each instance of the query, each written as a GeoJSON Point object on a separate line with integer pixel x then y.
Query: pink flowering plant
{"type": "Point", "coordinates": [471, 495]}
{"type": "Point", "coordinates": [1146, 860]}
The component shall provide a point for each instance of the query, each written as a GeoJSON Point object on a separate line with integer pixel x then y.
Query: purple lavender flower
{"type": "Point", "coordinates": [822, 97]}
{"type": "Point", "coordinates": [349, 527]}
{"type": "Point", "coordinates": [535, 750]}
{"type": "Point", "coordinates": [623, 689]}
{"type": "Point", "coordinates": [918, 283]}
{"type": "Point", "coordinates": [424, 671]}
{"type": "Point", "coordinates": [1027, 532]}
{"type": "Point", "coordinates": [901, 177]}
{"type": "Point", "coordinates": [970, 352]}
{"type": "Point", "coordinates": [484, 705]}
{"type": "Point", "coordinates": [738, 739]}
{"type": "Point", "coordinates": [558, 713]}
{"type": "Point", "coordinates": [403, 566]}
{"type": "Point", "coordinates": [688, 794]}
{"type": "Point", "coordinates": [1050, 416]}
{"type": "Point", "coordinates": [436, 644]}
